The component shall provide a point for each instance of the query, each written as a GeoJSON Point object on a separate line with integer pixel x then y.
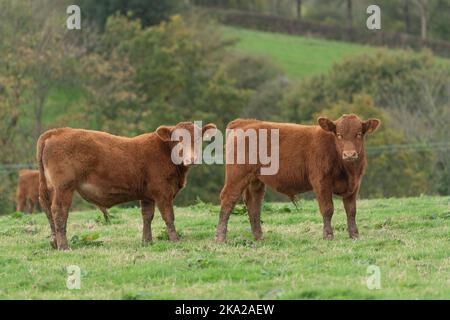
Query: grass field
{"type": "Point", "coordinates": [408, 239]}
{"type": "Point", "coordinates": [298, 56]}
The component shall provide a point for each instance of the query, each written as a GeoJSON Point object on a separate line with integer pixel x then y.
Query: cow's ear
{"type": "Point", "coordinates": [164, 133]}
{"type": "Point", "coordinates": [370, 125]}
{"type": "Point", "coordinates": [326, 124]}
{"type": "Point", "coordinates": [209, 131]}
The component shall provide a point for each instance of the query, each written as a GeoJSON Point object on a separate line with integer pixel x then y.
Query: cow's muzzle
{"type": "Point", "coordinates": [351, 155]}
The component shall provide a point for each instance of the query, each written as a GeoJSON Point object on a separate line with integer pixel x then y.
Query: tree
{"type": "Point", "coordinates": [349, 5]}
{"type": "Point", "coordinates": [423, 10]}
{"type": "Point", "coordinates": [148, 12]}
{"type": "Point", "coordinates": [143, 77]}
{"type": "Point", "coordinates": [37, 55]}
{"type": "Point", "coordinates": [407, 16]}
{"type": "Point", "coordinates": [439, 25]}
{"type": "Point", "coordinates": [299, 8]}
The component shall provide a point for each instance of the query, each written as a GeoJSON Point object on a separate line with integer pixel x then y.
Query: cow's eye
{"type": "Point", "coordinates": [339, 136]}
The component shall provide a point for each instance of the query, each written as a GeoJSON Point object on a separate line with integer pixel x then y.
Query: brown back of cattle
{"type": "Point", "coordinates": [27, 192]}
{"type": "Point", "coordinates": [327, 159]}
{"type": "Point", "coordinates": [107, 170]}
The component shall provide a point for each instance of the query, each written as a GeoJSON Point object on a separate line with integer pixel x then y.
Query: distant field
{"type": "Point", "coordinates": [298, 56]}
{"type": "Point", "coordinates": [408, 239]}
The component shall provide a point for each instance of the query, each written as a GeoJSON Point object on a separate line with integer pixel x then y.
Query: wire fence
{"type": "Point", "coordinates": [386, 148]}
{"type": "Point", "coordinates": [390, 148]}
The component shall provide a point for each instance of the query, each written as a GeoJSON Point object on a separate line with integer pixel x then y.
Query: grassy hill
{"type": "Point", "coordinates": [408, 239]}
{"type": "Point", "coordinates": [298, 56]}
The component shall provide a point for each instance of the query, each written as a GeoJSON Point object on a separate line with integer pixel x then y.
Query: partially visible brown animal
{"type": "Point", "coordinates": [328, 159]}
{"type": "Point", "coordinates": [27, 194]}
{"type": "Point", "coordinates": [107, 170]}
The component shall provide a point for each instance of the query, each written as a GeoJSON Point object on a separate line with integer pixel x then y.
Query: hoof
{"type": "Point", "coordinates": [258, 238]}
{"type": "Point", "coordinates": [53, 244]}
{"type": "Point", "coordinates": [147, 242]}
{"type": "Point", "coordinates": [328, 237]}
{"type": "Point", "coordinates": [63, 246]}
{"type": "Point", "coordinates": [220, 239]}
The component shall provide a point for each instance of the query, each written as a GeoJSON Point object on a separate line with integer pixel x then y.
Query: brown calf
{"type": "Point", "coordinates": [27, 195]}
{"type": "Point", "coordinates": [107, 170]}
{"type": "Point", "coordinates": [27, 192]}
{"type": "Point", "coordinates": [328, 159]}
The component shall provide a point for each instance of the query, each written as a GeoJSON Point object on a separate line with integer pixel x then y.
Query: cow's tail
{"type": "Point", "coordinates": [294, 201]}
{"type": "Point", "coordinates": [44, 192]}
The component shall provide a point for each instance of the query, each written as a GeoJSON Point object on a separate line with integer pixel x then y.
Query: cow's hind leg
{"type": "Point", "coordinates": [253, 198]}
{"type": "Point", "coordinates": [148, 212]}
{"type": "Point", "coordinates": [62, 200]}
{"type": "Point", "coordinates": [30, 206]}
{"type": "Point", "coordinates": [229, 196]}
{"type": "Point", "coordinates": [46, 204]}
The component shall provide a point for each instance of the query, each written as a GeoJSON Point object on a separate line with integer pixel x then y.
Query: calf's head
{"type": "Point", "coordinates": [185, 140]}
{"type": "Point", "coordinates": [349, 131]}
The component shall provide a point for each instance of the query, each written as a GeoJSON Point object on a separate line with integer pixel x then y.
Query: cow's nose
{"type": "Point", "coordinates": [350, 155]}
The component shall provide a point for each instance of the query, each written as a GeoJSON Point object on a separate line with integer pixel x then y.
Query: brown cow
{"type": "Point", "coordinates": [328, 159]}
{"type": "Point", "coordinates": [27, 195]}
{"type": "Point", "coordinates": [107, 170]}
{"type": "Point", "coordinates": [27, 192]}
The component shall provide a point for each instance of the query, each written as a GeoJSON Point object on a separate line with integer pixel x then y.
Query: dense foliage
{"type": "Point", "coordinates": [148, 12]}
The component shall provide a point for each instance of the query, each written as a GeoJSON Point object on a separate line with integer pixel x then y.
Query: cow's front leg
{"type": "Point", "coordinates": [148, 211]}
{"type": "Point", "coordinates": [165, 206]}
{"type": "Point", "coordinates": [21, 203]}
{"type": "Point", "coordinates": [350, 209]}
{"type": "Point", "coordinates": [325, 199]}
